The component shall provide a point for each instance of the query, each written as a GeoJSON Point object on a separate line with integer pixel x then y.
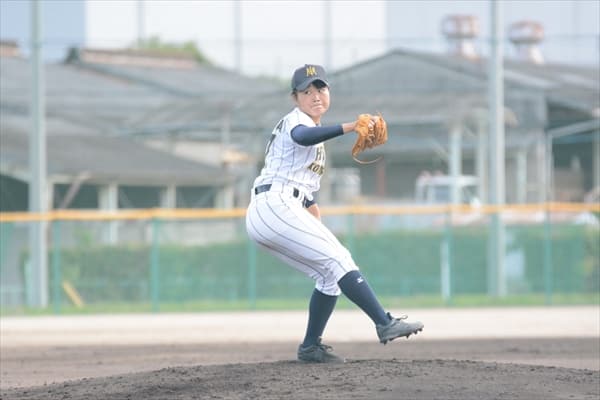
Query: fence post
{"type": "Point", "coordinates": [252, 274]}
{"type": "Point", "coordinates": [351, 233]}
{"type": "Point", "coordinates": [446, 260]}
{"type": "Point", "coordinates": [28, 283]}
{"type": "Point", "coordinates": [56, 267]}
{"type": "Point", "coordinates": [155, 265]}
{"type": "Point", "coordinates": [548, 267]}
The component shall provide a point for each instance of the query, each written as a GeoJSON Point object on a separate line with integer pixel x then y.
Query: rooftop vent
{"type": "Point", "coordinates": [526, 36]}
{"type": "Point", "coordinates": [460, 30]}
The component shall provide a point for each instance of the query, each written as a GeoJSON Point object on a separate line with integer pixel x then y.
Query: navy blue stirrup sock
{"type": "Point", "coordinates": [319, 310]}
{"type": "Point", "coordinates": [356, 288]}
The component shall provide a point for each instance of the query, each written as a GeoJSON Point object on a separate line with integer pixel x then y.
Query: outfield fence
{"type": "Point", "coordinates": [178, 259]}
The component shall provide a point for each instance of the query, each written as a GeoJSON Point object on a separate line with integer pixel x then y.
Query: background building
{"type": "Point", "coordinates": [571, 28]}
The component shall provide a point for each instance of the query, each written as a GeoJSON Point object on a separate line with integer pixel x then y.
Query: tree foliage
{"type": "Point", "coordinates": [155, 44]}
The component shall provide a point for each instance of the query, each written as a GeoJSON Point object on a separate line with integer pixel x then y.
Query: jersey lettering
{"type": "Point", "coordinates": [317, 169]}
{"type": "Point", "coordinates": [318, 166]}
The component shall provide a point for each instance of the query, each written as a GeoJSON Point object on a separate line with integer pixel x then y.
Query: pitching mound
{"type": "Point", "coordinates": [356, 379]}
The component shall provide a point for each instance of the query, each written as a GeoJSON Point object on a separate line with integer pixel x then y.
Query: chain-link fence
{"type": "Point", "coordinates": [201, 259]}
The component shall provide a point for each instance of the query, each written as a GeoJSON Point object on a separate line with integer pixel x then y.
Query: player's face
{"type": "Point", "coordinates": [313, 101]}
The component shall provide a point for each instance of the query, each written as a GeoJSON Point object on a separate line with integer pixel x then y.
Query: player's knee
{"type": "Point", "coordinates": [328, 287]}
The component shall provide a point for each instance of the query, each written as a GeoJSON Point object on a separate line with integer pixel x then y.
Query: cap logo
{"type": "Point", "coordinates": [311, 70]}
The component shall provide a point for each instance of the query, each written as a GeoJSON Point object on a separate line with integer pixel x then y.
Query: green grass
{"type": "Point", "coordinates": [522, 300]}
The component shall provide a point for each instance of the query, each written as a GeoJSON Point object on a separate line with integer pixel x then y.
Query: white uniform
{"type": "Point", "coordinates": [276, 218]}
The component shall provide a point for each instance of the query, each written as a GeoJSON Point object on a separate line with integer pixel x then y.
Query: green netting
{"type": "Point", "coordinates": [178, 262]}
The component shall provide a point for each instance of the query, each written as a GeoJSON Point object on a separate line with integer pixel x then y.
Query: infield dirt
{"type": "Point", "coordinates": [181, 357]}
{"type": "Point", "coordinates": [457, 369]}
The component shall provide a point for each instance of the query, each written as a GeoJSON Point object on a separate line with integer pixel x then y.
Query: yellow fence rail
{"type": "Point", "coordinates": [211, 213]}
{"type": "Point", "coordinates": [446, 260]}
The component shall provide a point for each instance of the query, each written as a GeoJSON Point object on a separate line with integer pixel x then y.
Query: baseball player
{"type": "Point", "coordinates": [284, 219]}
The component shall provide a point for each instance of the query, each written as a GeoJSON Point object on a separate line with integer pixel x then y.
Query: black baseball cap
{"type": "Point", "coordinates": [306, 75]}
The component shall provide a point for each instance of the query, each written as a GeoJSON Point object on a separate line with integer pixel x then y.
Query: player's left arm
{"type": "Point", "coordinates": [312, 207]}
{"type": "Point", "coordinates": [314, 210]}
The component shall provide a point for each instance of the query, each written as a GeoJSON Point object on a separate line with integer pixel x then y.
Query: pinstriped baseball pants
{"type": "Point", "coordinates": [277, 222]}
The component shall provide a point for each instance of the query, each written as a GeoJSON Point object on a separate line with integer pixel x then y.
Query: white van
{"type": "Point", "coordinates": [437, 189]}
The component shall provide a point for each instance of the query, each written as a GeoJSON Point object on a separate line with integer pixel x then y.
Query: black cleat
{"type": "Point", "coordinates": [318, 353]}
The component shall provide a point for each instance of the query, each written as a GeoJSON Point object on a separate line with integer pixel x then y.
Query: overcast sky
{"type": "Point", "coordinates": [279, 35]}
{"type": "Point", "coordinates": [276, 34]}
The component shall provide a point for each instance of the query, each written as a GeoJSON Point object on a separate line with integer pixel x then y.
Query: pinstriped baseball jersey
{"type": "Point", "coordinates": [289, 163]}
{"type": "Point", "coordinates": [276, 219]}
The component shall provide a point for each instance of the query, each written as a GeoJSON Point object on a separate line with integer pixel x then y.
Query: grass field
{"type": "Point", "coordinates": [525, 300]}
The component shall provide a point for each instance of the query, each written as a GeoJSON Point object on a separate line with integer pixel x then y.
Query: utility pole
{"type": "Point", "coordinates": [237, 35]}
{"type": "Point", "coordinates": [141, 34]}
{"type": "Point", "coordinates": [328, 46]}
{"type": "Point", "coordinates": [496, 255]}
{"type": "Point", "coordinates": [38, 193]}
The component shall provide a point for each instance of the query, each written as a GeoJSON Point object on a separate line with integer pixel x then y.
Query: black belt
{"type": "Point", "coordinates": [267, 187]}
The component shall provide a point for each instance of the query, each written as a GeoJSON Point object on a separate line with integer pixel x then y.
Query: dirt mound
{"type": "Point", "coordinates": [356, 379]}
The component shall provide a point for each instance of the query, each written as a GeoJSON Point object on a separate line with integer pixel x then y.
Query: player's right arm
{"type": "Point", "coordinates": [309, 136]}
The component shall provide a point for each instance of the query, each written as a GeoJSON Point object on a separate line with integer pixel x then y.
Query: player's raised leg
{"type": "Point", "coordinates": [357, 289]}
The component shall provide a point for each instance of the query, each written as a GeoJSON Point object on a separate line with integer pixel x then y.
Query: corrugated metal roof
{"type": "Point", "coordinates": [108, 160]}
{"type": "Point", "coordinates": [178, 74]}
{"type": "Point", "coordinates": [201, 81]}
{"type": "Point", "coordinates": [409, 88]}
{"type": "Point", "coordinates": [85, 115]}
{"type": "Point", "coordinates": [80, 96]}
{"type": "Point", "coordinates": [575, 86]}
{"type": "Point", "coordinates": [419, 94]}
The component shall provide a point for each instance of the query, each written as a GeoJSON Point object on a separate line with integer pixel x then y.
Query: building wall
{"type": "Point", "coordinates": [13, 194]}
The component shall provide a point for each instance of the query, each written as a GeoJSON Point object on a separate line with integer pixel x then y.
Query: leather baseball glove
{"type": "Point", "coordinates": [369, 137]}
